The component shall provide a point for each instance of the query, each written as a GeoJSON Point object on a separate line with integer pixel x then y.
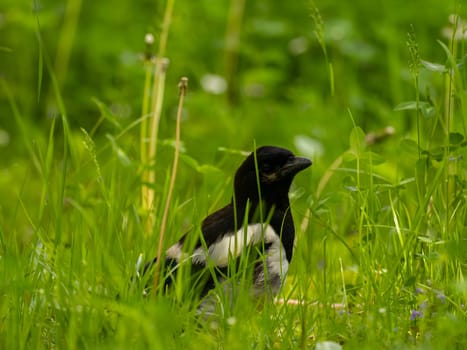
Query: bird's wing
{"type": "Point", "coordinates": [223, 235]}
{"type": "Point", "coordinates": [222, 222]}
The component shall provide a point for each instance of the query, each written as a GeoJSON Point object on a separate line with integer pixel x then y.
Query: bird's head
{"type": "Point", "coordinates": [274, 169]}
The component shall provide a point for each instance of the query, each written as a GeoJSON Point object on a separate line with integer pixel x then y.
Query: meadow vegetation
{"type": "Point", "coordinates": [90, 110]}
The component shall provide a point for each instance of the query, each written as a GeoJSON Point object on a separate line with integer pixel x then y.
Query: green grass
{"type": "Point", "coordinates": [380, 259]}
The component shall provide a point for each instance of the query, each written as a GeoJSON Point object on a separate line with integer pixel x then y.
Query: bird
{"type": "Point", "coordinates": [254, 230]}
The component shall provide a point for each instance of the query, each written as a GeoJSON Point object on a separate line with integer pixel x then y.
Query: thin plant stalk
{"type": "Point", "coordinates": [449, 116]}
{"type": "Point", "coordinates": [64, 47]}
{"type": "Point", "coordinates": [414, 66]}
{"type": "Point", "coordinates": [449, 81]}
{"type": "Point", "coordinates": [319, 33]}
{"type": "Point", "coordinates": [149, 68]}
{"type": "Point", "coordinates": [182, 92]}
{"type": "Point", "coordinates": [65, 43]}
{"type": "Point", "coordinates": [232, 46]}
{"type": "Point", "coordinates": [157, 98]}
{"type": "Point", "coordinates": [165, 28]}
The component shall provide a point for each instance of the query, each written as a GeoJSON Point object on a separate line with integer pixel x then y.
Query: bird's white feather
{"type": "Point", "coordinates": [232, 245]}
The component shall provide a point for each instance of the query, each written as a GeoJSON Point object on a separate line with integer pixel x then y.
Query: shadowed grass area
{"type": "Point", "coordinates": [380, 217]}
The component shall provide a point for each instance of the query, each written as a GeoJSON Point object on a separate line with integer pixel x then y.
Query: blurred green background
{"type": "Point", "coordinates": [281, 85]}
{"type": "Point", "coordinates": [276, 87]}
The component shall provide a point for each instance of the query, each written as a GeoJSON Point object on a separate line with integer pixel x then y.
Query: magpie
{"type": "Point", "coordinates": [255, 229]}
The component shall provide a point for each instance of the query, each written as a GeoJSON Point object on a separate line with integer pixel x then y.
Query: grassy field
{"type": "Point", "coordinates": [374, 93]}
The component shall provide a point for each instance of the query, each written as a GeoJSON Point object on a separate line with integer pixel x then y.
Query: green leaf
{"type": "Point", "coordinates": [205, 169]}
{"type": "Point", "coordinates": [375, 158]}
{"type": "Point", "coordinates": [189, 161]}
{"type": "Point", "coordinates": [425, 108]}
{"type": "Point", "coordinates": [121, 155]}
{"type": "Point", "coordinates": [107, 113]}
{"type": "Point", "coordinates": [208, 169]}
{"type": "Point", "coordinates": [434, 67]}
{"type": "Point", "coordinates": [428, 112]}
{"type": "Point", "coordinates": [437, 153]}
{"type": "Point", "coordinates": [172, 143]}
{"type": "Point", "coordinates": [451, 60]}
{"type": "Point", "coordinates": [455, 138]}
{"type": "Point", "coordinates": [404, 182]}
{"type": "Point", "coordinates": [411, 105]}
{"type": "Point", "coordinates": [425, 239]}
{"type": "Point", "coordinates": [421, 172]}
{"type": "Point", "coordinates": [348, 156]}
{"type": "Point", "coordinates": [409, 146]}
{"type": "Point", "coordinates": [357, 140]}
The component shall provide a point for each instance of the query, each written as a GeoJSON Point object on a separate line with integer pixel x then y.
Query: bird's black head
{"type": "Point", "coordinates": [274, 168]}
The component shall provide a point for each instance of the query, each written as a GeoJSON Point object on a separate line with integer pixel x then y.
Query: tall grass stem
{"type": "Point", "coordinates": [183, 84]}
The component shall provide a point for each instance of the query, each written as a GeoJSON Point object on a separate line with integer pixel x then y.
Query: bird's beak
{"type": "Point", "coordinates": [294, 165]}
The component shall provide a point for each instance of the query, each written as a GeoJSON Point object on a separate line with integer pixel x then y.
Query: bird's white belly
{"type": "Point", "coordinates": [232, 245]}
{"type": "Point", "coordinates": [270, 277]}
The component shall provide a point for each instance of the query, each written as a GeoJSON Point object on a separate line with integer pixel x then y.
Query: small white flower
{"type": "Point", "coordinates": [215, 84]}
{"type": "Point", "coordinates": [149, 39]}
{"type": "Point", "coordinates": [231, 321]}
